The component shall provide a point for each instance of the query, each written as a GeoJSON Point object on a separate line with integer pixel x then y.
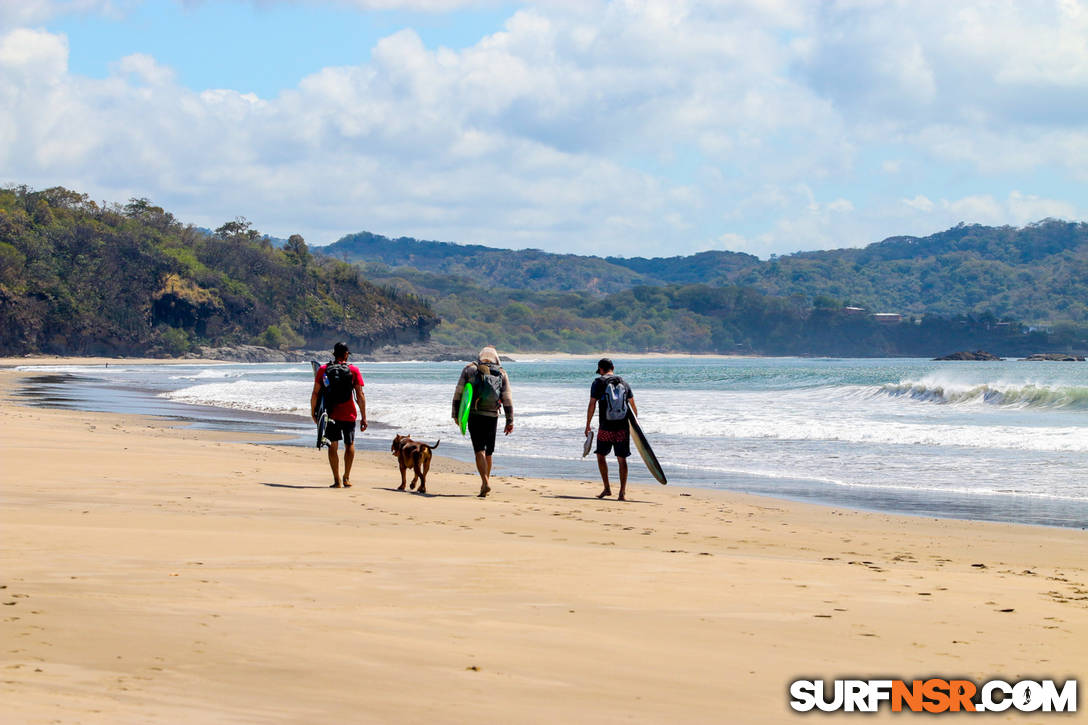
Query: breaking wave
{"type": "Point", "coordinates": [1015, 396]}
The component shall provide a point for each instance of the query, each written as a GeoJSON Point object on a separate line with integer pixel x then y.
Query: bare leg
{"type": "Point", "coordinates": [334, 463]}
{"type": "Point", "coordinates": [602, 466]}
{"type": "Point", "coordinates": [623, 479]}
{"type": "Point", "coordinates": [349, 456]}
{"type": "Point", "coordinates": [483, 467]}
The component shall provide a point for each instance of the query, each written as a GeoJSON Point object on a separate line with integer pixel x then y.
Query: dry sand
{"type": "Point", "coordinates": [154, 574]}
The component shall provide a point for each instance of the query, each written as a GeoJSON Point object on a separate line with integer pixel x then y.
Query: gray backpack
{"type": "Point", "coordinates": [487, 387]}
{"type": "Point", "coordinates": [614, 399]}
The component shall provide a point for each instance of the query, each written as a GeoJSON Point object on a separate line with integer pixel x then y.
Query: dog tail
{"type": "Point", "coordinates": [436, 443]}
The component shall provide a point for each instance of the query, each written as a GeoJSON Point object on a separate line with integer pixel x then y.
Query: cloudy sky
{"type": "Point", "coordinates": [631, 127]}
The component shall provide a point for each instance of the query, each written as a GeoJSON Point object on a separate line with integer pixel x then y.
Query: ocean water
{"type": "Point", "coordinates": [1004, 441]}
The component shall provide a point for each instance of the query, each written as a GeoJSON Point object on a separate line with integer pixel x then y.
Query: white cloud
{"type": "Point", "coordinates": [1025, 208]}
{"type": "Point", "coordinates": [920, 203]}
{"type": "Point", "coordinates": [731, 242]}
{"type": "Point", "coordinates": [981, 208]}
{"type": "Point", "coordinates": [143, 67]}
{"type": "Point", "coordinates": [33, 56]}
{"type": "Point", "coordinates": [760, 118]}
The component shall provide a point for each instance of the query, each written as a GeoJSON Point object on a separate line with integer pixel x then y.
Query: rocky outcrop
{"type": "Point", "coordinates": [1053, 357]}
{"type": "Point", "coordinates": [253, 354]}
{"type": "Point", "coordinates": [428, 351]}
{"type": "Point", "coordinates": [966, 355]}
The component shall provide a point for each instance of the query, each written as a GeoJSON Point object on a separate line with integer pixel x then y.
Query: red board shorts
{"type": "Point", "coordinates": [614, 440]}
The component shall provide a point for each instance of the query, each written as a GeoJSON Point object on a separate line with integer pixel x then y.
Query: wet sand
{"type": "Point", "coordinates": [153, 574]}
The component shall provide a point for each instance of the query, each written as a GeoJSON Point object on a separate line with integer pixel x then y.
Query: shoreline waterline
{"type": "Point", "coordinates": [999, 501]}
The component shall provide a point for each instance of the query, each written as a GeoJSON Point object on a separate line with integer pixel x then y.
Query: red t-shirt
{"type": "Point", "coordinates": [344, 412]}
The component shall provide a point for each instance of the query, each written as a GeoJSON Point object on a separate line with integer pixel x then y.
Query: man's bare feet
{"type": "Point", "coordinates": [621, 497]}
{"type": "Point", "coordinates": [346, 484]}
{"type": "Point", "coordinates": [605, 493]}
{"type": "Point", "coordinates": [335, 485]}
{"type": "Point", "coordinates": [483, 492]}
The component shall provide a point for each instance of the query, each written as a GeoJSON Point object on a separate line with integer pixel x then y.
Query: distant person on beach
{"type": "Point", "coordinates": [343, 385]}
{"type": "Point", "coordinates": [614, 396]}
{"type": "Point", "coordinates": [490, 391]}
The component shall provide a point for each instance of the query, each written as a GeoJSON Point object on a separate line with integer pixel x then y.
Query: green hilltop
{"type": "Point", "coordinates": [77, 277]}
{"type": "Point", "coordinates": [969, 286]}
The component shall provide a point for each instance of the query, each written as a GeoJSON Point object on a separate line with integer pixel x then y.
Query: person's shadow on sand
{"type": "Point", "coordinates": [594, 498]}
{"type": "Point", "coordinates": [288, 485]}
{"type": "Point", "coordinates": [428, 494]}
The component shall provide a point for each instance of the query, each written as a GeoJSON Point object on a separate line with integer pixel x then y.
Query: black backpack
{"type": "Point", "coordinates": [341, 383]}
{"type": "Point", "coordinates": [487, 387]}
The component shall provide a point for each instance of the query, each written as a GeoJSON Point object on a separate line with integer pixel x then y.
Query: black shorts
{"type": "Point", "coordinates": [481, 428]}
{"type": "Point", "coordinates": [614, 440]}
{"type": "Point", "coordinates": [337, 429]}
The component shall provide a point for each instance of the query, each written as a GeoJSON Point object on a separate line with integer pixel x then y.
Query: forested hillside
{"type": "Point", "coordinates": [529, 269]}
{"type": "Point", "coordinates": [1038, 273]}
{"type": "Point", "coordinates": [700, 319]}
{"type": "Point", "coordinates": [80, 278]}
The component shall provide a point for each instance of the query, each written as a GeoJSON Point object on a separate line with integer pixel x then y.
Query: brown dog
{"type": "Point", "coordinates": [415, 455]}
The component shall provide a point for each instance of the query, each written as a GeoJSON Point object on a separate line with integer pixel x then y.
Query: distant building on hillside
{"type": "Point", "coordinates": [888, 318]}
{"type": "Point", "coordinates": [854, 311]}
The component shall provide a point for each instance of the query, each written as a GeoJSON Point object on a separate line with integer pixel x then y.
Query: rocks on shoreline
{"type": "Point", "coordinates": [967, 355]}
{"type": "Point", "coordinates": [1053, 357]}
{"type": "Point", "coordinates": [1037, 357]}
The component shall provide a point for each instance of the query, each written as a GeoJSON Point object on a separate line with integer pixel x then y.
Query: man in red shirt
{"type": "Point", "coordinates": [343, 387]}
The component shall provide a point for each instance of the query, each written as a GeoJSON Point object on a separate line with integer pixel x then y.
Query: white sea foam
{"type": "Point", "coordinates": [981, 490]}
{"type": "Point", "coordinates": [797, 416]}
{"type": "Point", "coordinates": [280, 396]}
{"type": "Point", "coordinates": [833, 424]}
{"type": "Point", "coordinates": [209, 375]}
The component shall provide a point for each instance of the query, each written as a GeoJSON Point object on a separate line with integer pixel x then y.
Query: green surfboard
{"type": "Point", "coordinates": [466, 406]}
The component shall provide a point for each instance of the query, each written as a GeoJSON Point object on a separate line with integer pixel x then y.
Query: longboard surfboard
{"type": "Point", "coordinates": [643, 447]}
{"type": "Point", "coordinates": [322, 414]}
{"type": "Point", "coordinates": [466, 407]}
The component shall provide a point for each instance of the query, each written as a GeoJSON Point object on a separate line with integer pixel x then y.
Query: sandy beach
{"type": "Point", "coordinates": [157, 574]}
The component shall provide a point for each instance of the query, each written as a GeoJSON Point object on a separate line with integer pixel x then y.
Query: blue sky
{"type": "Point", "coordinates": [631, 127]}
{"type": "Point", "coordinates": [249, 47]}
